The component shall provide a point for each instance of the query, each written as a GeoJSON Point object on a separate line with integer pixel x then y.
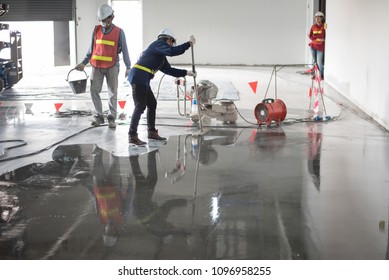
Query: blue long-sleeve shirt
{"type": "Point", "coordinates": [122, 48]}
{"type": "Point", "coordinates": [154, 58]}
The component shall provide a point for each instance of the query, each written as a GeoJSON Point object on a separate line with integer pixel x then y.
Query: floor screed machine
{"type": "Point", "coordinates": [203, 103]}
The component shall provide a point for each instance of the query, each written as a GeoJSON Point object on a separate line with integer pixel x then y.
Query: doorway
{"type": "Point", "coordinates": [37, 54]}
{"type": "Point", "coordinates": [322, 6]}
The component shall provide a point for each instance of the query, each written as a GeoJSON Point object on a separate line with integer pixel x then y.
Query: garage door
{"type": "Point", "coordinates": [39, 10]}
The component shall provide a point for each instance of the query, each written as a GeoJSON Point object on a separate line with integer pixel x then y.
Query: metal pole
{"type": "Point", "coordinates": [275, 81]}
{"type": "Point", "coordinates": [195, 90]}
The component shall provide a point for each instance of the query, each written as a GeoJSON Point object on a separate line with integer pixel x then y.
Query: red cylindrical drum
{"type": "Point", "coordinates": [270, 110]}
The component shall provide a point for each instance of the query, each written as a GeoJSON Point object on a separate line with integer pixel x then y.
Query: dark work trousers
{"type": "Point", "coordinates": [143, 97]}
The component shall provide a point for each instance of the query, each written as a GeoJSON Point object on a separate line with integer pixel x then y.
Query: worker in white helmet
{"type": "Point", "coordinates": [108, 41]}
{"type": "Point", "coordinates": [317, 34]}
{"type": "Point", "coordinates": [150, 61]}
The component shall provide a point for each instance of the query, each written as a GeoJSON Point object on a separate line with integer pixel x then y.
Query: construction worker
{"type": "Point", "coordinates": [108, 41]}
{"type": "Point", "coordinates": [317, 35]}
{"type": "Point", "coordinates": [150, 61]}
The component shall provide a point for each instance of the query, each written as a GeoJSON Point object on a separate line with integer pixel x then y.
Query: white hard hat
{"type": "Point", "coordinates": [166, 33]}
{"type": "Point", "coordinates": [319, 14]}
{"type": "Point", "coordinates": [109, 238]}
{"type": "Point", "coordinates": [104, 11]}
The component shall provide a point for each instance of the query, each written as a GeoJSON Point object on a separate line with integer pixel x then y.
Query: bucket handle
{"type": "Point", "coordinates": [77, 70]}
{"type": "Point", "coordinates": [268, 100]}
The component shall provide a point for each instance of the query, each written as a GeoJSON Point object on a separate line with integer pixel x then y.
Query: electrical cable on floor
{"type": "Point", "coordinates": [23, 143]}
{"type": "Point", "coordinates": [41, 150]}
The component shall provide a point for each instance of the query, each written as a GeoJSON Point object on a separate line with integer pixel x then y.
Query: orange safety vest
{"type": "Point", "coordinates": [109, 205]}
{"type": "Point", "coordinates": [317, 32]}
{"type": "Point", "coordinates": [105, 47]}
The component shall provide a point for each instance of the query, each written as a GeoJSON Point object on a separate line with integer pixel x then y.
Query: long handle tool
{"type": "Point", "coordinates": [196, 95]}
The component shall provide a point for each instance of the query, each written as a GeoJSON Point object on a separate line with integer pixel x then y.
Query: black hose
{"type": "Point", "coordinates": [41, 150]}
{"type": "Point", "coordinates": [23, 143]}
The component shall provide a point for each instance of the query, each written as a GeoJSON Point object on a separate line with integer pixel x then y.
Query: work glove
{"type": "Point", "coordinates": [192, 40]}
{"type": "Point", "coordinates": [80, 67]}
{"type": "Point", "coordinates": [191, 73]}
{"type": "Point", "coordinates": [127, 72]}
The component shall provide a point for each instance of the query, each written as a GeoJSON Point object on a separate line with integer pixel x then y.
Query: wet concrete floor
{"type": "Point", "coordinates": [298, 190]}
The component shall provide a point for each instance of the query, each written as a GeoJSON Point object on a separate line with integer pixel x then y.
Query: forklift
{"type": "Point", "coordinates": [11, 70]}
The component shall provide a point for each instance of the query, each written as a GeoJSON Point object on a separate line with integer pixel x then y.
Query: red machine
{"type": "Point", "coordinates": [270, 110]}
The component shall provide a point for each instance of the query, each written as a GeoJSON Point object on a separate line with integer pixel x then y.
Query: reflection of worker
{"type": "Point", "coordinates": [109, 195]}
{"type": "Point", "coordinates": [146, 211]}
{"type": "Point", "coordinates": [317, 35]}
{"type": "Point", "coordinates": [144, 185]}
{"type": "Point", "coordinates": [314, 152]}
{"type": "Point", "coordinates": [108, 41]}
{"type": "Point", "coordinates": [152, 60]}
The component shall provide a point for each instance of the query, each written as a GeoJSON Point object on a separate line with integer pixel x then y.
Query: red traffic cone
{"type": "Point", "coordinates": [122, 103]}
{"type": "Point", "coordinates": [58, 106]}
{"type": "Point", "coordinates": [253, 86]}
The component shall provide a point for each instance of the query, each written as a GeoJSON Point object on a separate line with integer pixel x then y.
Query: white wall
{"type": "Point", "coordinates": [249, 32]}
{"type": "Point", "coordinates": [244, 32]}
{"type": "Point", "coordinates": [310, 19]}
{"type": "Point", "coordinates": [128, 16]}
{"type": "Point", "coordinates": [357, 54]}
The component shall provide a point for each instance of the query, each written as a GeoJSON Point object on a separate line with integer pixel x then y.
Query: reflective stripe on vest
{"type": "Point", "coordinates": [109, 205]}
{"type": "Point", "coordinates": [102, 58]}
{"type": "Point", "coordinates": [105, 42]}
{"type": "Point", "coordinates": [144, 69]}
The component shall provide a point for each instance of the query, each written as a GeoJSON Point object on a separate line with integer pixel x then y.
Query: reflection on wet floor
{"type": "Point", "coordinates": [230, 194]}
{"type": "Point", "coordinates": [12, 112]}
